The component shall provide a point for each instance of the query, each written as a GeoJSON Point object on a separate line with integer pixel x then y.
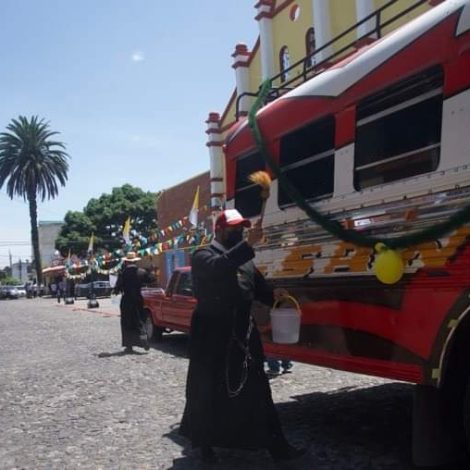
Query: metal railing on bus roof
{"type": "Point", "coordinates": [310, 68]}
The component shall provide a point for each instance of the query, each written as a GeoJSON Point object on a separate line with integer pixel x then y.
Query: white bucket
{"type": "Point", "coordinates": [285, 324]}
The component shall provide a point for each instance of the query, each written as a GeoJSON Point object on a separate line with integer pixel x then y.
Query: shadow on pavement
{"type": "Point", "coordinates": [120, 353]}
{"type": "Point", "coordinates": [228, 459]}
{"type": "Point", "coordinates": [175, 344]}
{"type": "Point", "coordinates": [371, 426]}
{"type": "Point", "coordinates": [367, 424]}
{"type": "Point", "coordinates": [344, 428]}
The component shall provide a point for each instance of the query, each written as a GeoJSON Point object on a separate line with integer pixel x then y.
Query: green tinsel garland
{"type": "Point", "coordinates": [332, 226]}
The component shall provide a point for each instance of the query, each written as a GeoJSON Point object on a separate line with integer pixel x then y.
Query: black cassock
{"type": "Point", "coordinates": [225, 284]}
{"type": "Point", "coordinates": [130, 282]}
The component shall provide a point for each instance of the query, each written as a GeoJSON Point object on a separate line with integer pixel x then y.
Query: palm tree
{"type": "Point", "coordinates": [31, 165]}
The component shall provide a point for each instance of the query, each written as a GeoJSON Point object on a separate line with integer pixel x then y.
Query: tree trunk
{"type": "Point", "coordinates": [33, 216]}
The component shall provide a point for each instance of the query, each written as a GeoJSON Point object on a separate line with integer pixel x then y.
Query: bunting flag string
{"type": "Point", "coordinates": [178, 224]}
{"type": "Point", "coordinates": [111, 263]}
{"type": "Point", "coordinates": [98, 263]}
{"type": "Point", "coordinates": [159, 234]}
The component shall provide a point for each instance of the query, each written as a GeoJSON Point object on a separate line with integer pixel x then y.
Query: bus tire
{"type": "Point", "coordinates": [432, 440]}
{"type": "Point", "coordinates": [466, 415]}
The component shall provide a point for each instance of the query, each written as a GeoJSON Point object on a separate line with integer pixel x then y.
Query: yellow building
{"type": "Point", "coordinates": [298, 39]}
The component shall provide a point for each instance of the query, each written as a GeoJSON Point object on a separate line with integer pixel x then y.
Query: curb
{"type": "Point", "coordinates": [100, 312]}
{"type": "Point", "coordinates": [90, 310]}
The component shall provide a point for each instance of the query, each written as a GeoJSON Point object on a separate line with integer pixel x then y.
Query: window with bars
{"type": "Point", "coordinates": [398, 131]}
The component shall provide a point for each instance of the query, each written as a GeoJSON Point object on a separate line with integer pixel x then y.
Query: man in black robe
{"type": "Point", "coordinates": [130, 282]}
{"type": "Point", "coordinates": [228, 397]}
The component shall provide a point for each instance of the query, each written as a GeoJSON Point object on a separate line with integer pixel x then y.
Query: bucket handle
{"type": "Point", "coordinates": [292, 299]}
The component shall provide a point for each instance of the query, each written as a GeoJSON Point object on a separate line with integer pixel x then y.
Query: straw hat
{"type": "Point", "coordinates": [131, 257]}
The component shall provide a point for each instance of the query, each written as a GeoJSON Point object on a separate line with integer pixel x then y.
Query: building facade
{"type": "Point", "coordinates": [48, 233]}
{"type": "Point", "coordinates": [21, 270]}
{"type": "Point", "coordinates": [298, 39]}
{"type": "Point", "coordinates": [179, 234]}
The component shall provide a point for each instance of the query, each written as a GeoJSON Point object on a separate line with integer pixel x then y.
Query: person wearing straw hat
{"type": "Point", "coordinates": [130, 282]}
{"type": "Point", "coordinates": [228, 397]}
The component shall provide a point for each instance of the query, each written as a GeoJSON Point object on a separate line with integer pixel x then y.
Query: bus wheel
{"type": "Point", "coordinates": [466, 415]}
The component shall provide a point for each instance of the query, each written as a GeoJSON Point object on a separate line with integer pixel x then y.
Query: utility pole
{"type": "Point", "coordinates": [11, 264]}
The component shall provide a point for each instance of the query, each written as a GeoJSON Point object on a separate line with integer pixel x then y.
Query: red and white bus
{"type": "Point", "coordinates": [380, 141]}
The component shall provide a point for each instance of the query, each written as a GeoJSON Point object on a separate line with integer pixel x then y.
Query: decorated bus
{"type": "Point", "coordinates": [367, 218]}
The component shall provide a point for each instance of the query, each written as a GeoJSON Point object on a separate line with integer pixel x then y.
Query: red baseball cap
{"type": "Point", "coordinates": [231, 217]}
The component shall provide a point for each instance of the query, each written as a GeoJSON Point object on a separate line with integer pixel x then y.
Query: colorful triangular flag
{"type": "Point", "coordinates": [126, 230]}
{"type": "Point", "coordinates": [90, 244]}
{"type": "Point", "coordinates": [193, 214]}
{"type": "Point", "coordinates": [69, 258]}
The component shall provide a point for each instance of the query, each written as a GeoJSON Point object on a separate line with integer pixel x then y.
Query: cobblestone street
{"type": "Point", "coordinates": [69, 399]}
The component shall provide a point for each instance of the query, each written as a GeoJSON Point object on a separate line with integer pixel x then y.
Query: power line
{"type": "Point", "coordinates": [7, 244]}
{"type": "Point", "coordinates": [25, 255]}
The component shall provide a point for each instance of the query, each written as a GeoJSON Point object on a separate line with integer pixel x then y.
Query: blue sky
{"type": "Point", "coordinates": [128, 85]}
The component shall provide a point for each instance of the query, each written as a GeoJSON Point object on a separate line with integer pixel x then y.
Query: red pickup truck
{"type": "Point", "coordinates": [170, 309]}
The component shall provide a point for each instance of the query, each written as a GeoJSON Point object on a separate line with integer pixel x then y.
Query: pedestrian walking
{"type": "Point", "coordinates": [130, 282]}
{"type": "Point", "coordinates": [29, 290]}
{"type": "Point", "coordinates": [60, 290]}
{"type": "Point", "coordinates": [53, 289]}
{"type": "Point", "coordinates": [228, 397]}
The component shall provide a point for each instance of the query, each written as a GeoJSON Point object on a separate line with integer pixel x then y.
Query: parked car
{"type": "Point", "coordinates": [100, 289]}
{"type": "Point", "coordinates": [10, 292]}
{"type": "Point", "coordinates": [3, 292]}
{"type": "Point", "coordinates": [82, 290]}
{"type": "Point", "coordinates": [21, 291]}
{"type": "Point", "coordinates": [170, 310]}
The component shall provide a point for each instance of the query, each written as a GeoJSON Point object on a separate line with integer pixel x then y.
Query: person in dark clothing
{"type": "Point", "coordinates": [274, 366]}
{"type": "Point", "coordinates": [60, 290]}
{"type": "Point", "coordinates": [228, 397]}
{"type": "Point", "coordinates": [130, 282]}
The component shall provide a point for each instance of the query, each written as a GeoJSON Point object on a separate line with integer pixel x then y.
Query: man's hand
{"type": "Point", "coordinates": [280, 294]}
{"type": "Point", "coordinates": [255, 235]}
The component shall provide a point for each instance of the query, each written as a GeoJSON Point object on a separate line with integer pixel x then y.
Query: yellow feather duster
{"type": "Point", "coordinates": [261, 178]}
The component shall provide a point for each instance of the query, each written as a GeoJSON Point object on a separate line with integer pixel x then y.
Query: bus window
{"type": "Point", "coordinates": [248, 195]}
{"type": "Point", "coordinates": [307, 160]}
{"type": "Point", "coordinates": [398, 131]}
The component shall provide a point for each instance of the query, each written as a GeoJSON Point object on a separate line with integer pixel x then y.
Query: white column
{"type": "Point", "coordinates": [264, 18]}
{"type": "Point", "coordinates": [217, 163]}
{"type": "Point", "coordinates": [241, 56]}
{"type": "Point", "coordinates": [365, 8]}
{"type": "Point", "coordinates": [322, 28]}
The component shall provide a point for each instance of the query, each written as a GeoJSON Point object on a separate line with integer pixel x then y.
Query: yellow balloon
{"type": "Point", "coordinates": [388, 266]}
